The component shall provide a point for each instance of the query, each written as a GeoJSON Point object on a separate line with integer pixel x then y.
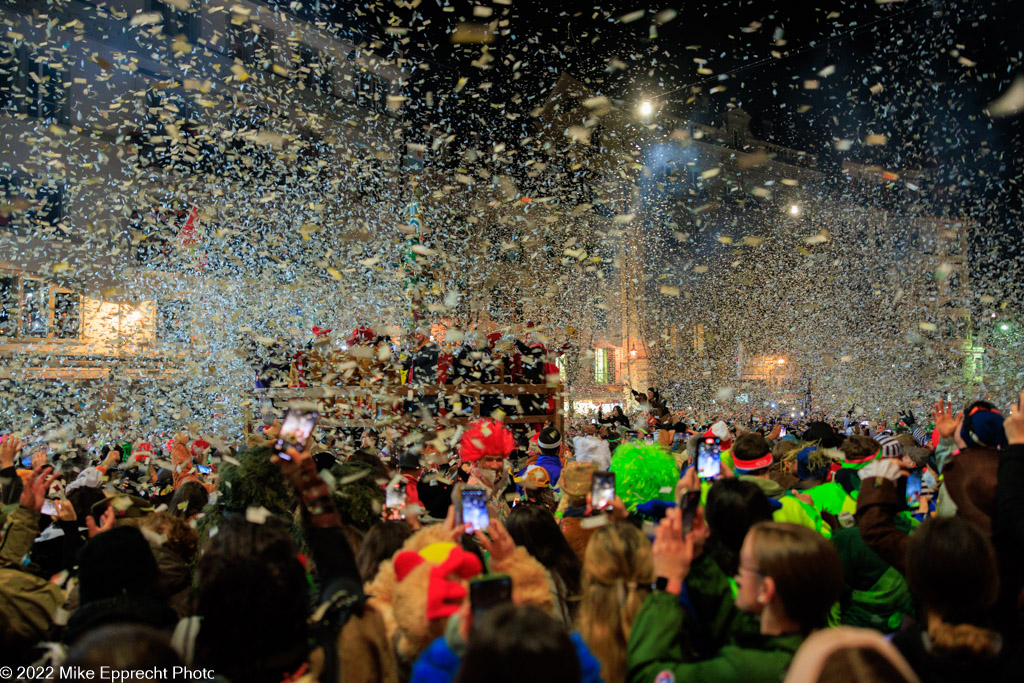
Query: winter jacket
{"type": "Point", "coordinates": [28, 602]}
{"type": "Point", "coordinates": [440, 664]}
{"type": "Point", "coordinates": [422, 365]}
{"type": "Point", "coordinates": [874, 594]}
{"type": "Point", "coordinates": [938, 668]}
{"type": "Point", "coordinates": [553, 465]}
{"type": "Point", "coordinates": [837, 496]}
{"type": "Point", "coordinates": [877, 507]}
{"type": "Point", "coordinates": [19, 533]}
{"type": "Point", "coordinates": [533, 362]}
{"type": "Point", "coordinates": [575, 535]}
{"type": "Point", "coordinates": [711, 596]}
{"type": "Point", "coordinates": [662, 633]}
{"type": "Point", "coordinates": [1008, 537]}
{"type": "Point", "coordinates": [793, 509]}
{"type": "Point", "coordinates": [11, 486]}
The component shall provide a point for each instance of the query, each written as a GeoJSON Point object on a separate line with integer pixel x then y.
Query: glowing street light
{"type": "Point", "coordinates": [794, 209]}
{"type": "Point", "coordinates": [1004, 327]}
{"type": "Point", "coordinates": [782, 361]}
{"type": "Point", "coordinates": [646, 108]}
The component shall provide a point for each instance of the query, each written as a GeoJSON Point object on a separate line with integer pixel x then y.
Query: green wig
{"type": "Point", "coordinates": [643, 473]}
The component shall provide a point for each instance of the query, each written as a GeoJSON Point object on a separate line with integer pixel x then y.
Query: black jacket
{"type": "Point", "coordinates": [422, 365]}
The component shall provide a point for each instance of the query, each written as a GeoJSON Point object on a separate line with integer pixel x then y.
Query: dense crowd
{"type": "Point", "coordinates": [643, 547]}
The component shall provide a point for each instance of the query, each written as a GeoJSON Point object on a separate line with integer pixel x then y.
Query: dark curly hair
{"type": "Point", "coordinates": [253, 598]}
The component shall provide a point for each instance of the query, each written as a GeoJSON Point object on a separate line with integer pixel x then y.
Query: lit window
{"type": "Point", "coordinates": [601, 366]}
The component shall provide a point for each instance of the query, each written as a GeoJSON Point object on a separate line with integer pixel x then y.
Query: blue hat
{"type": "Point", "coordinates": [804, 469]}
{"type": "Point", "coordinates": [984, 429]}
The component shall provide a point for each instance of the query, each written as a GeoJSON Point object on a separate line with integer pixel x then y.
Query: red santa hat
{"type": "Point", "coordinates": [720, 431]}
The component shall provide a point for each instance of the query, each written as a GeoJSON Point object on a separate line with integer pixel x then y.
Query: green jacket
{"type": "Point", "coordinates": [660, 638]}
{"type": "Point", "coordinates": [833, 497]}
{"type": "Point", "coordinates": [28, 602]}
{"type": "Point", "coordinates": [19, 532]}
{"type": "Point", "coordinates": [793, 509]}
{"type": "Point", "coordinates": [713, 597]}
{"type": "Point", "coordinates": [874, 594]}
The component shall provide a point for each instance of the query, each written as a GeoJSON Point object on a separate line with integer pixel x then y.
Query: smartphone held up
{"type": "Point", "coordinates": [296, 431]}
{"type": "Point", "coordinates": [602, 492]}
{"type": "Point", "coordinates": [395, 498]}
{"type": "Point", "coordinates": [709, 459]}
{"type": "Point", "coordinates": [487, 592]}
{"type": "Point", "coordinates": [474, 509]}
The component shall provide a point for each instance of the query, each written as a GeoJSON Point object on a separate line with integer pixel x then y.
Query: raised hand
{"type": "Point", "coordinates": [945, 420]}
{"type": "Point", "coordinates": [106, 522]}
{"type": "Point", "coordinates": [500, 545]}
{"type": "Point", "coordinates": [1014, 424]}
{"type": "Point", "coordinates": [672, 552]}
{"type": "Point", "coordinates": [9, 450]}
{"type": "Point", "coordinates": [38, 483]}
{"type": "Point", "coordinates": [65, 511]}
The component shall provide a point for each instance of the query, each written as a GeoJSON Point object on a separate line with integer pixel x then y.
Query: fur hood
{"type": "Point", "coordinates": [403, 604]}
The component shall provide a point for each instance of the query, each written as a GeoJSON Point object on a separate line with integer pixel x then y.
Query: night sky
{"type": "Point", "coordinates": [810, 74]}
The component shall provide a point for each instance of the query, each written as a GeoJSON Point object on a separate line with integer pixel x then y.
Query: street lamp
{"type": "Point", "coordinates": [646, 108]}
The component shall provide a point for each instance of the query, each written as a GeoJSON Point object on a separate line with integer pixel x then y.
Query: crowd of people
{"type": "Point", "coordinates": [800, 551]}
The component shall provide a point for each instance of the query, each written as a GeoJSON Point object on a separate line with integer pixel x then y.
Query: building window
{"type": "Point", "coordinates": [370, 91]}
{"type": "Point", "coordinates": [313, 71]}
{"type": "Point", "coordinates": [601, 366]}
{"type": "Point", "coordinates": [9, 294]}
{"type": "Point", "coordinates": [67, 315]}
{"type": "Point", "coordinates": [172, 321]}
{"type": "Point", "coordinates": [23, 202]}
{"type": "Point", "coordinates": [253, 44]}
{"type": "Point", "coordinates": [30, 85]}
{"type": "Point", "coordinates": [36, 318]}
{"type": "Point", "coordinates": [8, 77]}
{"type": "Point", "coordinates": [177, 22]}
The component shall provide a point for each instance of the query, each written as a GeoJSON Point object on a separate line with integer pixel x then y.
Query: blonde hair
{"type": "Point", "coordinates": [617, 572]}
{"type": "Point", "coordinates": [958, 639]}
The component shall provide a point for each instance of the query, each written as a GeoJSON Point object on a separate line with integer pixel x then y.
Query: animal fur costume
{"type": "Point", "coordinates": [408, 589]}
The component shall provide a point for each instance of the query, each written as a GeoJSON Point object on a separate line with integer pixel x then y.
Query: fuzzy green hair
{"type": "Point", "coordinates": [642, 472]}
{"type": "Point", "coordinates": [357, 495]}
{"type": "Point", "coordinates": [254, 482]}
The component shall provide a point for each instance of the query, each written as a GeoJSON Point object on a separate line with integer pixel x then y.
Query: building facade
{"type": "Point", "coordinates": [149, 151]}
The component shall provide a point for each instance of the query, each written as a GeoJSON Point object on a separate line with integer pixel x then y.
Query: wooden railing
{"type": "Point", "coordinates": [374, 405]}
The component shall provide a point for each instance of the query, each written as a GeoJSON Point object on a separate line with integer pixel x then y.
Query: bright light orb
{"type": "Point", "coordinates": [646, 108]}
{"type": "Point", "coordinates": [782, 361]}
{"type": "Point", "coordinates": [1004, 327]}
{"type": "Point", "coordinates": [794, 209]}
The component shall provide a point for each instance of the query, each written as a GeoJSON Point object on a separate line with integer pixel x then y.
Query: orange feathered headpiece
{"type": "Point", "coordinates": [486, 437]}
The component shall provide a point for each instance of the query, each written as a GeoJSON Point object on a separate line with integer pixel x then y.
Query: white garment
{"type": "Point", "coordinates": [592, 449]}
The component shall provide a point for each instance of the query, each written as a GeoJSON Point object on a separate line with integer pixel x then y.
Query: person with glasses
{"type": "Point", "coordinates": [788, 576]}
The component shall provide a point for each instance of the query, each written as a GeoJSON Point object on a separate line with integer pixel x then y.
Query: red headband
{"type": "Point", "coordinates": [755, 464]}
